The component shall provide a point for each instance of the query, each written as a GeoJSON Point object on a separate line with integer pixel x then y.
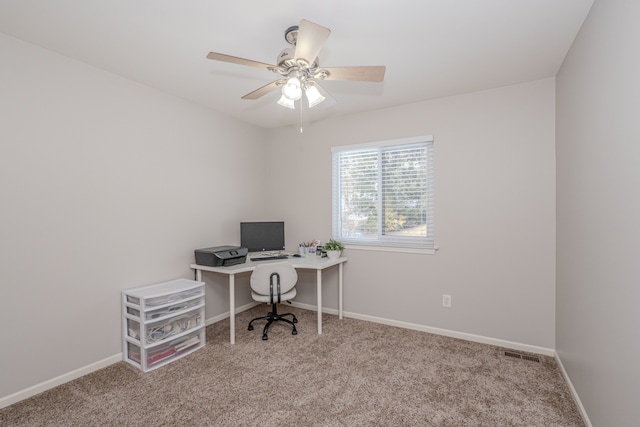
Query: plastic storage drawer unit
{"type": "Point", "coordinates": [162, 322]}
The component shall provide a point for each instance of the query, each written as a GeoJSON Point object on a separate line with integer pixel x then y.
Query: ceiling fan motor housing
{"type": "Point", "coordinates": [286, 59]}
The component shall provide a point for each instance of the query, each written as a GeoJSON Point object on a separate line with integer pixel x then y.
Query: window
{"type": "Point", "coordinates": [383, 194]}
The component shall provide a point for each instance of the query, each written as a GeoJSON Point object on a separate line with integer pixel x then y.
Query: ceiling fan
{"type": "Point", "coordinates": [299, 69]}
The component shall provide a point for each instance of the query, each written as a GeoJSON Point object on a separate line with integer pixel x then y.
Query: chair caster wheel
{"type": "Point", "coordinates": [250, 328]}
{"type": "Point", "coordinates": [294, 332]}
{"type": "Point", "coordinates": [295, 320]}
{"type": "Point", "coordinates": [264, 338]}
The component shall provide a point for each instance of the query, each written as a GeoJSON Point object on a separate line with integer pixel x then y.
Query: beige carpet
{"type": "Point", "coordinates": [355, 374]}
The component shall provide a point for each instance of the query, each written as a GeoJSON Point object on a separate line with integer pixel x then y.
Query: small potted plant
{"type": "Point", "coordinates": [333, 248]}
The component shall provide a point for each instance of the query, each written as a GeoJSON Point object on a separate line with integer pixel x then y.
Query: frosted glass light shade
{"type": "Point", "coordinates": [292, 89]}
{"type": "Point", "coordinates": [314, 96]}
{"type": "Point", "coordinates": [286, 102]}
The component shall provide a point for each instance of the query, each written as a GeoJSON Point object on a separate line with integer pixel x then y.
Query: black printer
{"type": "Point", "coordinates": [221, 256]}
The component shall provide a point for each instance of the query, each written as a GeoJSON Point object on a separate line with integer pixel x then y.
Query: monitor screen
{"type": "Point", "coordinates": [262, 236]}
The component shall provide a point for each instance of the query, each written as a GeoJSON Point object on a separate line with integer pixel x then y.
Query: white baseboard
{"type": "Point", "coordinates": [469, 337]}
{"type": "Point", "coordinates": [70, 376]}
{"type": "Point", "coordinates": [574, 393]}
{"type": "Point", "coordinates": [446, 332]}
{"type": "Point", "coordinates": [39, 388]}
{"type": "Point", "coordinates": [225, 315]}
{"type": "Point", "coordinates": [314, 308]}
{"type": "Point", "coordinates": [54, 382]}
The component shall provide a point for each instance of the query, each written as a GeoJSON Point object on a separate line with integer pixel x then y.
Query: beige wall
{"type": "Point", "coordinates": [105, 185]}
{"type": "Point", "coordinates": [494, 213]}
{"type": "Point", "coordinates": [598, 152]}
{"type": "Point", "coordinates": [108, 184]}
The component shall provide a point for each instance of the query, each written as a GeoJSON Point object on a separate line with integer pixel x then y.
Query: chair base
{"type": "Point", "coordinates": [273, 316]}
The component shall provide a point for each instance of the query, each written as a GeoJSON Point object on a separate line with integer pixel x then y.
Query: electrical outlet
{"type": "Point", "coordinates": [446, 301]}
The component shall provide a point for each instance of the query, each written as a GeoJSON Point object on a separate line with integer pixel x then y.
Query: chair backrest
{"type": "Point", "coordinates": [262, 275]}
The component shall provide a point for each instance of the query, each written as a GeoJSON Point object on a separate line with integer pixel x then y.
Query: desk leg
{"type": "Point", "coordinates": [319, 284]}
{"type": "Point", "coordinates": [198, 275]}
{"type": "Point", "coordinates": [232, 308]}
{"type": "Point", "coordinates": [340, 291]}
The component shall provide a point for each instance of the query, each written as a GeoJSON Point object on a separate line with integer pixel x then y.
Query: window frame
{"type": "Point", "coordinates": [385, 243]}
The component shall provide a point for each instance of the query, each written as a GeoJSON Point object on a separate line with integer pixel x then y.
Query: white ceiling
{"type": "Point", "coordinates": [431, 48]}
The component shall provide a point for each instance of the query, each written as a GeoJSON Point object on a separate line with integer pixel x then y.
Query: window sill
{"type": "Point", "coordinates": [392, 248]}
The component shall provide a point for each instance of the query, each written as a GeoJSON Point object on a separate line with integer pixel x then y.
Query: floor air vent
{"type": "Point", "coordinates": [522, 356]}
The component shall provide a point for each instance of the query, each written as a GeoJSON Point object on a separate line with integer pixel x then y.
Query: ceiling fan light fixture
{"type": "Point", "coordinates": [298, 68]}
{"type": "Point", "coordinates": [286, 102]}
{"type": "Point", "coordinates": [292, 89]}
{"type": "Point", "coordinates": [314, 97]}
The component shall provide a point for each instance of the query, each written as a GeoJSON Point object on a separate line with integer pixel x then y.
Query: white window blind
{"type": "Point", "coordinates": [383, 193]}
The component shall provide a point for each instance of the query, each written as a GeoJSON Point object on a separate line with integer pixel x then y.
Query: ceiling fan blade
{"type": "Point", "coordinates": [311, 38]}
{"type": "Point", "coordinates": [258, 93]}
{"type": "Point", "coordinates": [235, 60]}
{"type": "Point", "coordinates": [361, 74]}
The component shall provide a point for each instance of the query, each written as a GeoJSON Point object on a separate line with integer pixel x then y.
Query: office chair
{"type": "Point", "coordinates": [274, 283]}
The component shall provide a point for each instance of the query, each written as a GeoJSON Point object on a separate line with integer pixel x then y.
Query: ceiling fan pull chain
{"type": "Point", "coordinates": [301, 107]}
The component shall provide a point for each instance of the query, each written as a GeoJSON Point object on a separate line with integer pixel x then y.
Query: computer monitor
{"type": "Point", "coordinates": [262, 236]}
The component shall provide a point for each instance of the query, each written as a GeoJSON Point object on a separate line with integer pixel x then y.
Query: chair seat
{"type": "Point", "coordinates": [266, 298]}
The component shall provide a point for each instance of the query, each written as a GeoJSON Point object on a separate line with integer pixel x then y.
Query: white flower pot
{"type": "Point", "coordinates": [333, 254]}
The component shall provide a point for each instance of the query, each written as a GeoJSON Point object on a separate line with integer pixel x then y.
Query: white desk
{"type": "Point", "coordinates": [308, 262]}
